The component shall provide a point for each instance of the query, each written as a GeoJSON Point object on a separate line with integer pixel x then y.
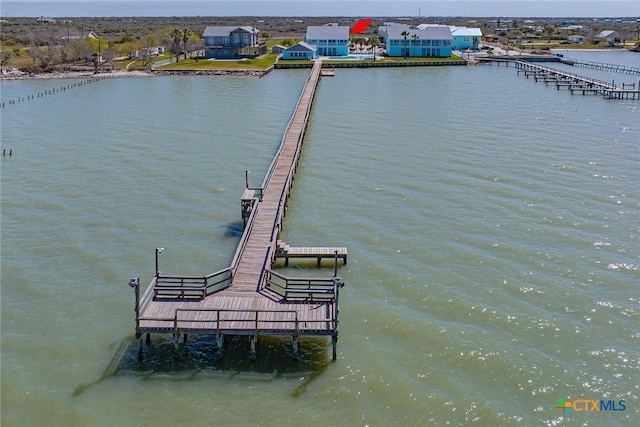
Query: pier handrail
{"type": "Point", "coordinates": [147, 297]}
{"type": "Point", "coordinates": [244, 239]}
{"type": "Point", "coordinates": [171, 279]}
{"type": "Point", "coordinates": [305, 288]}
{"type": "Point", "coordinates": [268, 258]}
{"type": "Point", "coordinates": [255, 319]}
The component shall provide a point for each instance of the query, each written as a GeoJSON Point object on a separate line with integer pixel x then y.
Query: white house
{"type": "Point", "coordinates": [609, 36]}
{"type": "Point", "coordinates": [577, 39]}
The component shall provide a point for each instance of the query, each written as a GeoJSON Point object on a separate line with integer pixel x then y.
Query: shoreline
{"type": "Point", "coordinates": [137, 73]}
{"type": "Point", "coordinates": [213, 72]}
{"type": "Point", "coordinates": [74, 75]}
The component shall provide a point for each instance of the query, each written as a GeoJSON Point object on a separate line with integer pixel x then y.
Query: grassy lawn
{"type": "Point", "coordinates": [204, 64]}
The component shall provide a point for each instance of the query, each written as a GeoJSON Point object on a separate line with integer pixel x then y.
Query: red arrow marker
{"type": "Point", "coordinates": [360, 26]}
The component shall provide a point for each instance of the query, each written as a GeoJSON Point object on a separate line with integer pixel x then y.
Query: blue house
{"type": "Point", "coordinates": [232, 42]}
{"type": "Point", "coordinates": [465, 38]}
{"type": "Point", "coordinates": [432, 41]}
{"type": "Point", "coordinates": [299, 50]}
{"type": "Point", "coordinates": [329, 40]}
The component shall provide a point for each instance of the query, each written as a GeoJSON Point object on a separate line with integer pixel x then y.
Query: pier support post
{"type": "Point", "coordinates": [135, 284]}
{"type": "Point", "coordinates": [140, 350]}
{"type": "Point", "coordinates": [252, 352]}
{"type": "Point", "coordinates": [219, 343]}
{"type": "Point", "coordinates": [334, 345]}
{"type": "Point", "coordinates": [295, 347]}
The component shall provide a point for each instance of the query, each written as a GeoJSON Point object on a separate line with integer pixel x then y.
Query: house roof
{"type": "Point", "coordinates": [226, 30]}
{"type": "Point", "coordinates": [607, 34]}
{"type": "Point", "coordinates": [339, 32]}
{"type": "Point", "coordinates": [464, 31]}
{"type": "Point", "coordinates": [425, 26]}
{"type": "Point", "coordinates": [301, 47]}
{"type": "Point", "coordinates": [429, 33]}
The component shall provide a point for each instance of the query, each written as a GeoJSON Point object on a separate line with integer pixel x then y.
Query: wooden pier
{"type": "Point", "coordinates": [248, 297]}
{"type": "Point", "coordinates": [573, 82]}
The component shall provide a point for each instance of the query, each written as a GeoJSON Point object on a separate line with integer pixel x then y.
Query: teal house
{"type": "Point", "coordinates": [413, 42]}
{"type": "Point", "coordinates": [299, 50]}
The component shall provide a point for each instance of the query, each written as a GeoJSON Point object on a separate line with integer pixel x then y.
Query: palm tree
{"type": "Point", "coordinates": [548, 29]}
{"type": "Point", "coordinates": [181, 35]}
{"type": "Point", "coordinates": [405, 34]}
{"type": "Point", "coordinates": [374, 42]}
{"type": "Point", "coordinates": [185, 38]}
{"type": "Point", "coordinates": [352, 43]}
{"type": "Point", "coordinates": [414, 42]}
{"type": "Point", "coordinates": [175, 34]}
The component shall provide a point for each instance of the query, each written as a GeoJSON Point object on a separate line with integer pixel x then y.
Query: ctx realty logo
{"type": "Point", "coordinates": [590, 405]}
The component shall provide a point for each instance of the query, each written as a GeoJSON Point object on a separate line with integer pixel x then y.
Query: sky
{"type": "Point", "coordinates": [470, 8]}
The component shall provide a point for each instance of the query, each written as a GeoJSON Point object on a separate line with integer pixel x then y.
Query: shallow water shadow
{"type": "Point", "coordinates": [199, 358]}
{"type": "Point", "coordinates": [234, 229]}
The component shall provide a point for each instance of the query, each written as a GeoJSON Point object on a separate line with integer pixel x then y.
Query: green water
{"type": "Point", "coordinates": [491, 223]}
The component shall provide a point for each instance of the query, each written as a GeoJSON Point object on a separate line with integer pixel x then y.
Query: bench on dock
{"type": "Point", "coordinates": [286, 252]}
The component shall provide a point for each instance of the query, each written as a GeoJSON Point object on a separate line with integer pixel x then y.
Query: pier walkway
{"type": "Point", "coordinates": [249, 298]}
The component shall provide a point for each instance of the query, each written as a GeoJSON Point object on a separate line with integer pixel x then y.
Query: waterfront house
{"type": "Point", "coordinates": [230, 42]}
{"type": "Point", "coordinates": [300, 50]}
{"type": "Point", "coordinates": [577, 39]}
{"type": "Point", "coordinates": [462, 37]}
{"type": "Point", "coordinates": [609, 36]}
{"type": "Point", "coordinates": [432, 41]}
{"type": "Point", "coordinates": [278, 49]}
{"type": "Point", "coordinates": [329, 40]}
{"type": "Point", "coordinates": [465, 38]}
{"type": "Point", "coordinates": [384, 29]}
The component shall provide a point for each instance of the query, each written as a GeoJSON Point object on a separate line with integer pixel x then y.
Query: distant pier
{"type": "Point", "coordinates": [601, 66]}
{"type": "Point", "coordinates": [249, 298]}
{"type": "Point", "coordinates": [574, 83]}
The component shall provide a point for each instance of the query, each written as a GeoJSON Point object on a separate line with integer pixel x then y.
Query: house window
{"type": "Point", "coordinates": [225, 40]}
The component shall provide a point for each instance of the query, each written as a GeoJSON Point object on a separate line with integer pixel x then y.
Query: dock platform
{"type": "Point", "coordinates": [286, 252]}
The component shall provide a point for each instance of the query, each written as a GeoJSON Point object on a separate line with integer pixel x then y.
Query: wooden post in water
{"type": "Point", "coordinates": [135, 284]}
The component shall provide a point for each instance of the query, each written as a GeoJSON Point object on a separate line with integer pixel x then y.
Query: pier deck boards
{"type": "Point", "coordinates": [247, 306]}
